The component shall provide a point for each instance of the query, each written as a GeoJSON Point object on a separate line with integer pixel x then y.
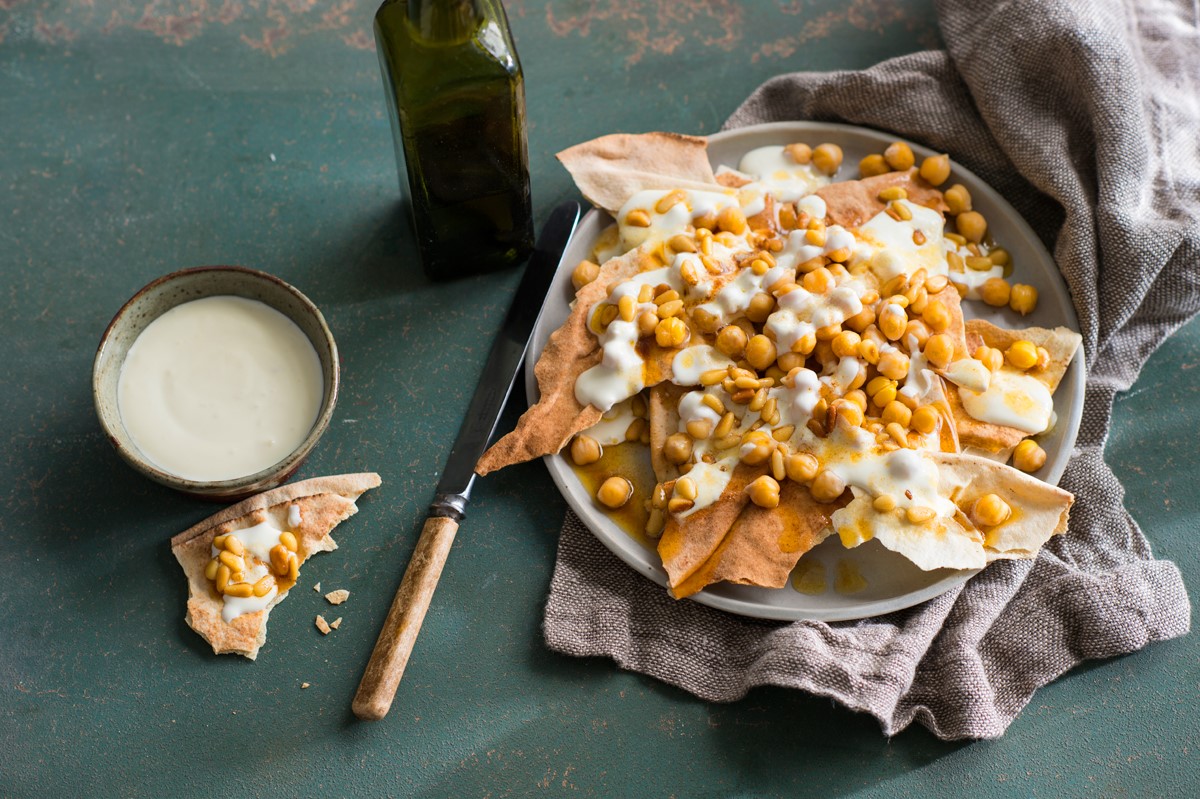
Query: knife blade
{"type": "Point", "coordinates": [394, 646]}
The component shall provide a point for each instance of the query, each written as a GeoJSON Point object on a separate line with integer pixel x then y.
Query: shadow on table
{"type": "Point", "coordinates": [79, 508]}
{"type": "Point", "coordinates": [375, 255]}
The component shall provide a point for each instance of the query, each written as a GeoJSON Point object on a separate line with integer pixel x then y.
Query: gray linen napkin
{"type": "Point", "coordinates": [1084, 115]}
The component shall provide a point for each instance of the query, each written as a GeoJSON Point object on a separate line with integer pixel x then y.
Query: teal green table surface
{"type": "Point", "coordinates": [141, 137]}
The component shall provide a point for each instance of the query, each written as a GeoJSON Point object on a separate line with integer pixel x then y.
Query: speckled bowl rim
{"type": "Point", "coordinates": [238, 487]}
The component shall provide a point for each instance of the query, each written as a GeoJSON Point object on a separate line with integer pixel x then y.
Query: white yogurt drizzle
{"type": "Point", "coordinates": [888, 247]}
{"type": "Point", "coordinates": [258, 541]}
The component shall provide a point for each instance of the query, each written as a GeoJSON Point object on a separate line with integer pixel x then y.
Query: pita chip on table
{"type": "Point", "coordinates": [242, 561]}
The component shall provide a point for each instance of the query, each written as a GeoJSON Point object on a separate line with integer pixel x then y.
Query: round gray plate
{"type": "Point", "coordinates": [893, 582]}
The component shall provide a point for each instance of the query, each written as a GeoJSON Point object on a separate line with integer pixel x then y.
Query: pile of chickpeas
{"type": "Point", "coordinates": [903, 309]}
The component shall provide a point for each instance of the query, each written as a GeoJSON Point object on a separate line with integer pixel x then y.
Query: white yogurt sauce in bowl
{"type": "Point", "coordinates": [216, 381]}
{"type": "Point", "coordinates": [219, 388]}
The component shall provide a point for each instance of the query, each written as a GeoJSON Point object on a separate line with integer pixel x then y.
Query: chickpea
{"type": "Point", "coordinates": [936, 315]}
{"type": "Point", "coordinates": [788, 361]}
{"type": "Point", "coordinates": [918, 330]}
{"type": "Point", "coordinates": [757, 446]}
{"type": "Point", "coordinates": [995, 291]}
{"type": "Point", "coordinates": [761, 306]}
{"type": "Point", "coordinates": [699, 429]}
{"type": "Point", "coordinates": [1023, 299]}
{"type": "Point", "coordinates": [707, 322]}
{"type": "Point", "coordinates": [861, 320]}
{"type": "Point", "coordinates": [899, 156]}
{"type": "Point", "coordinates": [671, 333]}
{"type": "Point", "coordinates": [801, 153]}
{"type": "Point", "coordinates": [819, 281]}
{"type": "Point", "coordinates": [972, 226]}
{"type": "Point", "coordinates": [939, 351]}
{"type": "Point", "coordinates": [801, 467]}
{"type": "Point", "coordinates": [884, 395]}
{"type": "Point", "coordinates": [989, 511]}
{"type": "Point", "coordinates": [1022, 354]}
{"type": "Point", "coordinates": [1029, 456]}
{"type": "Point", "coordinates": [827, 487]}
{"type": "Point", "coordinates": [873, 165]}
{"type": "Point", "coordinates": [827, 158]}
{"type": "Point", "coordinates": [731, 340]}
{"type": "Point", "coordinates": [958, 199]}
{"type": "Point", "coordinates": [868, 350]}
{"type": "Point", "coordinates": [760, 352]}
{"type": "Point", "coordinates": [925, 419]}
{"type": "Point", "coordinates": [764, 492]}
{"type": "Point", "coordinates": [893, 364]}
{"type": "Point", "coordinates": [936, 169]}
{"type": "Point", "coordinates": [732, 219]}
{"type": "Point", "coordinates": [857, 397]}
{"type": "Point", "coordinates": [614, 492]}
{"type": "Point", "coordinates": [647, 323]}
{"type": "Point", "coordinates": [896, 412]}
{"type": "Point", "coordinates": [585, 450]}
{"type": "Point", "coordinates": [892, 321]}
{"type": "Point", "coordinates": [992, 358]}
{"type": "Point", "coordinates": [677, 448]}
{"type": "Point", "coordinates": [845, 344]}
{"type": "Point", "coordinates": [849, 412]}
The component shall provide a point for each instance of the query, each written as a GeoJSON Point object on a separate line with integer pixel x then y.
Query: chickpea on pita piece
{"type": "Point", "coordinates": [792, 347]}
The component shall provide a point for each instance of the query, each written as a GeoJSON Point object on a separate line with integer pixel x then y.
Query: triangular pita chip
{"type": "Point", "coordinates": [853, 202]}
{"type": "Point", "coordinates": [1039, 511]}
{"type": "Point", "coordinates": [1061, 343]}
{"type": "Point", "coordinates": [570, 351]}
{"type": "Point", "coordinates": [763, 545]}
{"type": "Point", "coordinates": [611, 169]}
{"type": "Point", "coordinates": [322, 503]}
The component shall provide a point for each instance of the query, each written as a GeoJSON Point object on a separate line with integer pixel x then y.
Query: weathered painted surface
{"type": "Point", "coordinates": [140, 137]}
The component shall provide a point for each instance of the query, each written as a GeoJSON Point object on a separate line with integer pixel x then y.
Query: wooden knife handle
{"type": "Point", "coordinates": [399, 633]}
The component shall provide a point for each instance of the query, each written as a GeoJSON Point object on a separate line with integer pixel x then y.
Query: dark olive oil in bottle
{"type": "Point", "coordinates": [456, 97]}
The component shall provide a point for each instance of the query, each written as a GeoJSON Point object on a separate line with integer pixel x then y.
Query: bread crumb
{"type": "Point", "coordinates": [333, 625]}
{"type": "Point", "coordinates": [317, 588]}
{"type": "Point", "coordinates": [322, 625]}
{"type": "Point", "coordinates": [303, 685]}
{"type": "Point", "coordinates": [338, 597]}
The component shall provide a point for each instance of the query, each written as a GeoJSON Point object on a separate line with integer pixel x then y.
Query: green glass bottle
{"type": "Point", "coordinates": [456, 96]}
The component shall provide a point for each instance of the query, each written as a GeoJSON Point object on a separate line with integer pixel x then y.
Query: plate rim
{"type": "Point", "coordinates": [630, 551]}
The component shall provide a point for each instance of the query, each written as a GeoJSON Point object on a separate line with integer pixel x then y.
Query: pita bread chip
{"type": "Point", "coordinates": [611, 169]}
{"type": "Point", "coordinates": [764, 545]}
{"type": "Point", "coordinates": [937, 543]}
{"type": "Point", "coordinates": [688, 542]}
{"type": "Point", "coordinates": [664, 421]}
{"type": "Point", "coordinates": [853, 202]}
{"type": "Point", "coordinates": [309, 510]}
{"type": "Point", "coordinates": [570, 351]}
{"type": "Point", "coordinates": [1039, 510]}
{"type": "Point", "coordinates": [1061, 343]}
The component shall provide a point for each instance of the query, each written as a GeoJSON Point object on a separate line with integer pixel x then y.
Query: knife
{"type": "Point", "coordinates": [399, 633]}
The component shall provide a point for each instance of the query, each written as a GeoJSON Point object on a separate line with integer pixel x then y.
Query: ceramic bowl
{"type": "Point", "coordinates": [163, 294]}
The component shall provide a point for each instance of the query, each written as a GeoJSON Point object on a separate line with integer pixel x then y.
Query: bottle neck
{"type": "Point", "coordinates": [444, 21]}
